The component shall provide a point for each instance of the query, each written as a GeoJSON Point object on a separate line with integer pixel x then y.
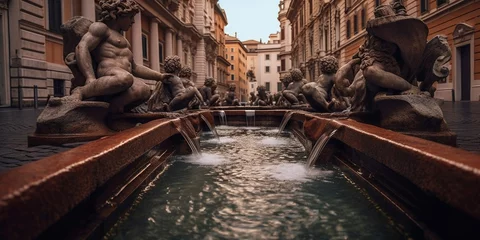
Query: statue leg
{"type": "Point", "coordinates": [137, 94]}
{"type": "Point", "coordinates": [359, 90]}
{"type": "Point", "coordinates": [214, 99]}
{"type": "Point", "coordinates": [115, 81]}
{"type": "Point", "coordinates": [290, 97]}
{"type": "Point", "coordinates": [315, 96]}
{"type": "Point", "coordinates": [262, 103]}
{"type": "Point", "coordinates": [182, 100]}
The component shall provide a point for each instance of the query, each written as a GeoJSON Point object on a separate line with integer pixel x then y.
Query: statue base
{"type": "Point", "coordinates": [74, 117]}
{"type": "Point", "coordinates": [407, 113]}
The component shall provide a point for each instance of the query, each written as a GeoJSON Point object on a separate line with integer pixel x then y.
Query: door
{"type": "Point", "coordinates": [465, 72]}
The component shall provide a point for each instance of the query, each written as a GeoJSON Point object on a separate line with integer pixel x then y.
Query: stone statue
{"type": "Point", "coordinates": [103, 62]}
{"type": "Point", "coordinates": [293, 93]}
{"type": "Point", "coordinates": [185, 74]}
{"type": "Point", "coordinates": [263, 97]}
{"type": "Point", "coordinates": [215, 93]}
{"type": "Point", "coordinates": [252, 99]}
{"type": "Point", "coordinates": [230, 98]}
{"type": "Point", "coordinates": [279, 99]}
{"type": "Point", "coordinates": [206, 90]}
{"type": "Point", "coordinates": [171, 94]}
{"type": "Point", "coordinates": [318, 93]}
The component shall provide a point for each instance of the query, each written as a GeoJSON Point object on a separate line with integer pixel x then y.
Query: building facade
{"type": "Point", "coordinates": [31, 45]}
{"type": "Point", "coordinates": [252, 46]}
{"type": "Point", "coordinates": [285, 38]}
{"type": "Point", "coordinates": [337, 27]}
{"type": "Point", "coordinates": [236, 54]}
{"type": "Point", "coordinates": [222, 64]}
{"type": "Point", "coordinates": [264, 61]}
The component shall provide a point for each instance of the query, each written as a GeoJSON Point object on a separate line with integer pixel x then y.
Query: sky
{"type": "Point", "coordinates": [251, 19]}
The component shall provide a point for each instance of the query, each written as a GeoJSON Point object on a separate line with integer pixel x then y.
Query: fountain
{"type": "Point", "coordinates": [415, 182]}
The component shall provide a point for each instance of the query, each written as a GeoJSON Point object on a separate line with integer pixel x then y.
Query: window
{"type": "Point", "coordinates": [160, 52]}
{"type": "Point", "coordinates": [267, 57]}
{"type": "Point", "coordinates": [231, 58]}
{"type": "Point", "coordinates": [311, 6]}
{"type": "Point", "coordinates": [231, 49]}
{"type": "Point", "coordinates": [54, 15]}
{"type": "Point", "coordinates": [282, 34]}
{"type": "Point", "coordinates": [441, 2]}
{"type": "Point", "coordinates": [279, 86]}
{"type": "Point", "coordinates": [348, 5]}
{"type": "Point", "coordinates": [348, 29]}
{"type": "Point", "coordinates": [58, 88]}
{"type": "Point", "coordinates": [282, 64]}
{"type": "Point", "coordinates": [233, 77]}
{"type": "Point", "coordinates": [232, 67]}
{"type": "Point", "coordinates": [278, 57]}
{"type": "Point", "coordinates": [364, 18]}
{"type": "Point", "coordinates": [267, 86]}
{"type": "Point", "coordinates": [355, 24]}
{"type": "Point", "coordinates": [278, 68]}
{"type": "Point", "coordinates": [267, 69]}
{"type": "Point", "coordinates": [144, 46]}
{"type": "Point", "coordinates": [377, 3]}
{"type": "Point", "coordinates": [423, 6]}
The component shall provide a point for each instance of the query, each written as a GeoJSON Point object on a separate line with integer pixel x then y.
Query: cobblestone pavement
{"type": "Point", "coordinates": [463, 118]}
{"type": "Point", "coordinates": [15, 126]}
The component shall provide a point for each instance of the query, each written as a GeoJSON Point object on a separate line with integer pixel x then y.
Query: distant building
{"type": "Point", "coordinates": [222, 63]}
{"type": "Point", "coordinates": [264, 60]}
{"type": "Point", "coordinates": [237, 56]}
{"type": "Point", "coordinates": [252, 46]}
{"type": "Point", "coordinates": [337, 27]}
{"type": "Point", "coordinates": [31, 47]}
{"type": "Point", "coordinates": [285, 38]}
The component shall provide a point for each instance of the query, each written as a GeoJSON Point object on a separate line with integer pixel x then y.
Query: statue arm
{"type": "Point", "coordinates": [143, 72]}
{"type": "Point", "coordinates": [96, 33]}
{"type": "Point", "coordinates": [345, 75]}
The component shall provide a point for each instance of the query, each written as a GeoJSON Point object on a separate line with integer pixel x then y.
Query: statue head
{"type": "Point", "coordinates": [185, 72]}
{"type": "Point", "coordinates": [287, 79]}
{"type": "Point", "coordinates": [261, 89]}
{"type": "Point", "coordinates": [252, 94]}
{"type": "Point", "coordinates": [209, 82]}
{"type": "Point", "coordinates": [232, 87]}
{"type": "Point", "coordinates": [296, 74]}
{"type": "Point", "coordinates": [328, 65]}
{"type": "Point", "coordinates": [121, 11]}
{"type": "Point", "coordinates": [172, 64]}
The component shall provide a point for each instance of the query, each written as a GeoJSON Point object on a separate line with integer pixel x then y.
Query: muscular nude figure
{"type": "Point", "coordinates": [116, 72]}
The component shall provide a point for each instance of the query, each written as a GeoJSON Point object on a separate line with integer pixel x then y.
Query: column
{"type": "Point", "coordinates": [154, 51]}
{"type": "Point", "coordinates": [168, 42]}
{"type": "Point", "coordinates": [88, 9]}
{"type": "Point", "coordinates": [137, 39]}
{"type": "Point", "coordinates": [180, 49]}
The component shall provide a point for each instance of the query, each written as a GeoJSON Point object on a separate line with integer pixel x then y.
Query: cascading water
{"type": "Point", "coordinates": [284, 122]}
{"type": "Point", "coordinates": [318, 147]}
{"type": "Point", "coordinates": [251, 114]}
{"type": "Point", "coordinates": [223, 118]}
{"type": "Point", "coordinates": [191, 144]}
{"type": "Point", "coordinates": [212, 128]}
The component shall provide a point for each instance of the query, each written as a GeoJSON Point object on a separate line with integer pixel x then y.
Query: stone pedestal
{"type": "Point", "coordinates": [75, 117]}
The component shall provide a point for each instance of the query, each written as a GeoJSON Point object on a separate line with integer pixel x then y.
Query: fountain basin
{"type": "Point", "coordinates": [81, 192]}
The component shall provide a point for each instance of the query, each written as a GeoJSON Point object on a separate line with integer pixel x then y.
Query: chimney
{"type": "Point", "coordinates": [235, 34]}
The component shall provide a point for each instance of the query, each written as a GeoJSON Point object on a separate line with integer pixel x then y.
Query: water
{"type": "Point", "coordinates": [191, 144]}
{"type": "Point", "coordinates": [284, 122]}
{"type": "Point", "coordinates": [212, 128]}
{"type": "Point", "coordinates": [251, 188]}
{"type": "Point", "coordinates": [319, 146]}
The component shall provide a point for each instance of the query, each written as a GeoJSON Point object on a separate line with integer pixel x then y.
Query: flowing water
{"type": "Point", "coordinates": [254, 186]}
{"type": "Point", "coordinates": [284, 121]}
{"type": "Point", "coordinates": [319, 146]}
{"type": "Point", "coordinates": [212, 128]}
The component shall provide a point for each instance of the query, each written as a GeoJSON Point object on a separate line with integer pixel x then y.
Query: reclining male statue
{"type": "Point", "coordinates": [102, 62]}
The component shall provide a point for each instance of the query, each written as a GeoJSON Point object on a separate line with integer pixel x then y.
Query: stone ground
{"type": "Point", "coordinates": [15, 125]}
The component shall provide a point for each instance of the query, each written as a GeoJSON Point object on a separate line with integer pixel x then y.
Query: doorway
{"type": "Point", "coordinates": [465, 72]}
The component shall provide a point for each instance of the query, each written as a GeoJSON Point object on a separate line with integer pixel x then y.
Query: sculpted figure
{"type": "Point", "coordinates": [230, 98]}
{"type": "Point", "coordinates": [207, 92]}
{"type": "Point", "coordinates": [318, 93]}
{"type": "Point", "coordinates": [252, 99]}
{"type": "Point", "coordinates": [293, 93]}
{"type": "Point", "coordinates": [376, 68]}
{"type": "Point", "coordinates": [185, 74]}
{"type": "Point", "coordinates": [171, 94]}
{"type": "Point", "coordinates": [114, 77]}
{"type": "Point", "coordinates": [263, 97]}
{"type": "Point", "coordinates": [279, 99]}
